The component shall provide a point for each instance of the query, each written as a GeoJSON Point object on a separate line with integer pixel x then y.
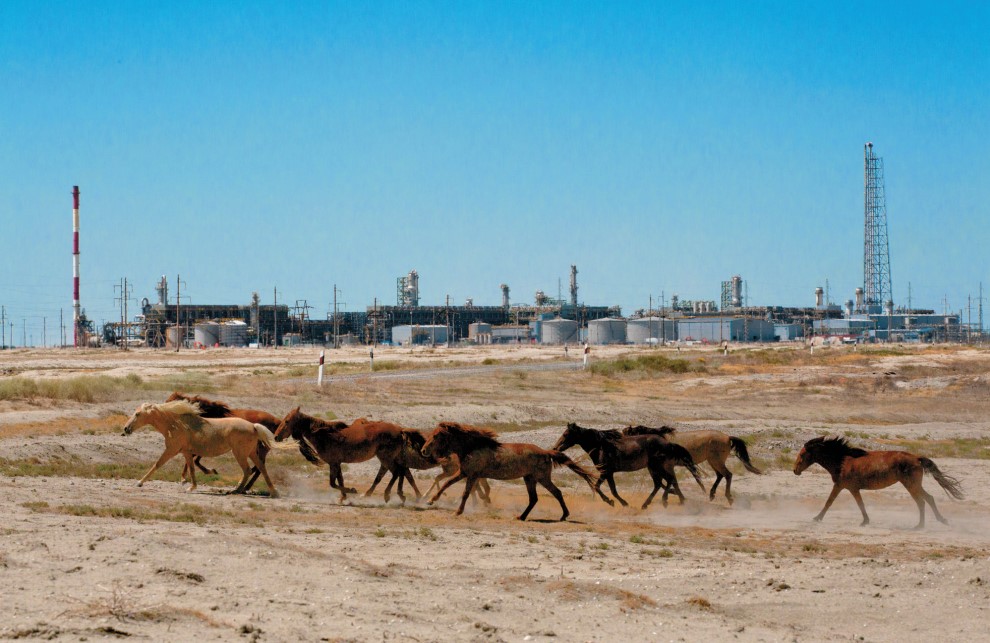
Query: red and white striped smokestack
{"type": "Point", "coordinates": [75, 266]}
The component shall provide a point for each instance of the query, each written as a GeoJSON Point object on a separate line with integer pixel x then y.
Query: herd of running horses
{"type": "Point", "coordinates": [196, 427]}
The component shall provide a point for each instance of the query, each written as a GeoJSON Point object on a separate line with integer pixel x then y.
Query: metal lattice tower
{"type": "Point", "coordinates": [876, 246]}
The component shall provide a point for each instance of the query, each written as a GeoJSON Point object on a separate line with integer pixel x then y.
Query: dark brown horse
{"type": "Point", "coordinates": [411, 457]}
{"type": "Point", "coordinates": [215, 409]}
{"type": "Point", "coordinates": [337, 442]}
{"type": "Point", "coordinates": [613, 452]}
{"type": "Point", "coordinates": [855, 469]}
{"type": "Point", "coordinates": [712, 447]}
{"type": "Point", "coordinates": [483, 456]}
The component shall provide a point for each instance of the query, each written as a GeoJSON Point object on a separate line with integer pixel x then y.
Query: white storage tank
{"type": "Point", "coordinates": [645, 329]}
{"type": "Point", "coordinates": [206, 334]}
{"type": "Point", "coordinates": [607, 331]}
{"type": "Point", "coordinates": [559, 331]}
{"type": "Point", "coordinates": [233, 333]}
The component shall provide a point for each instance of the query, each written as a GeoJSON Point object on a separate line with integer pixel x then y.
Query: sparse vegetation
{"type": "Point", "coordinates": [646, 364]}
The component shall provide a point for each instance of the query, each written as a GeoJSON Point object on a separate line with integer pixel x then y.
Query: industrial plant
{"type": "Point", "coordinates": [869, 314]}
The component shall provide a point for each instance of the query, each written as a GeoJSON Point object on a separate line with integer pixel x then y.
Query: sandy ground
{"type": "Point", "coordinates": [85, 554]}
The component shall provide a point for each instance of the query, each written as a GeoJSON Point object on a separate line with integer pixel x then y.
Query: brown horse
{"type": "Point", "coordinates": [613, 452]}
{"type": "Point", "coordinates": [188, 433]}
{"type": "Point", "coordinates": [855, 469]}
{"type": "Point", "coordinates": [411, 457]}
{"type": "Point", "coordinates": [712, 447]}
{"type": "Point", "coordinates": [336, 443]}
{"type": "Point", "coordinates": [214, 409]}
{"type": "Point", "coordinates": [483, 456]}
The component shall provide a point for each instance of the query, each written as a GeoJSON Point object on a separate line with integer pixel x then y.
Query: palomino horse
{"type": "Point", "coordinates": [336, 443]}
{"type": "Point", "coordinates": [712, 447]}
{"type": "Point", "coordinates": [188, 433]}
{"type": "Point", "coordinates": [411, 457]}
{"type": "Point", "coordinates": [482, 456]}
{"type": "Point", "coordinates": [612, 452]}
{"type": "Point", "coordinates": [855, 469]}
{"type": "Point", "coordinates": [214, 409]}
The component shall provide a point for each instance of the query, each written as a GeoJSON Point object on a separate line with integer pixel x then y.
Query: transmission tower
{"type": "Point", "coordinates": [876, 246]}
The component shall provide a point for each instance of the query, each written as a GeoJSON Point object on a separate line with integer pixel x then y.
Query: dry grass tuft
{"type": "Point", "coordinates": [700, 602]}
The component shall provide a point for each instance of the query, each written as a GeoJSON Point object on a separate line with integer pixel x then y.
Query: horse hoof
{"type": "Point", "coordinates": [563, 518]}
{"type": "Point", "coordinates": [817, 518]}
{"type": "Point", "coordinates": [213, 472]}
{"type": "Point", "coordinates": [274, 494]}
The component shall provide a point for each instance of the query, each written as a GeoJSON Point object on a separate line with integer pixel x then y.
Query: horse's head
{"type": "Point", "coordinates": [570, 437]}
{"type": "Point", "coordinates": [438, 444]}
{"type": "Point", "coordinates": [175, 396]}
{"type": "Point", "coordinates": [806, 457]}
{"type": "Point", "coordinates": [288, 425]}
{"type": "Point", "coordinates": [138, 419]}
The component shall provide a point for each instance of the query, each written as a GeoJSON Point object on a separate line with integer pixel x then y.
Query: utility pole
{"type": "Point", "coordinates": [44, 332]}
{"type": "Point", "coordinates": [178, 328]}
{"type": "Point", "coordinates": [663, 315]}
{"type": "Point", "coordinates": [336, 328]}
{"type": "Point", "coordinates": [447, 311]}
{"type": "Point", "coordinates": [374, 326]}
{"type": "Point", "coordinates": [3, 327]}
{"type": "Point", "coordinates": [61, 326]}
{"type": "Point", "coordinates": [275, 317]}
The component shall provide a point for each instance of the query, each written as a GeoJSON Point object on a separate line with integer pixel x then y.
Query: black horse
{"type": "Point", "coordinates": [612, 452]}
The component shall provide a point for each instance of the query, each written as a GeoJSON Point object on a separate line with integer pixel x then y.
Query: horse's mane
{"type": "Point", "coordinates": [414, 439]}
{"type": "Point", "coordinates": [834, 447]}
{"type": "Point", "coordinates": [177, 407]}
{"type": "Point", "coordinates": [315, 424]}
{"type": "Point", "coordinates": [208, 408]}
{"type": "Point", "coordinates": [610, 435]}
{"type": "Point", "coordinates": [476, 437]}
{"type": "Point", "coordinates": [648, 430]}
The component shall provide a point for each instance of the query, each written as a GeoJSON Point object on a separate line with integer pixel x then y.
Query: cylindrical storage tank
{"type": "Point", "coordinates": [819, 297]}
{"type": "Point", "coordinates": [607, 331]}
{"type": "Point", "coordinates": [889, 307]}
{"type": "Point", "coordinates": [172, 335]}
{"type": "Point", "coordinates": [849, 308]}
{"type": "Point", "coordinates": [233, 333]}
{"type": "Point", "coordinates": [737, 291]}
{"type": "Point", "coordinates": [206, 334]}
{"type": "Point", "coordinates": [642, 330]}
{"type": "Point", "coordinates": [559, 331]}
{"type": "Point", "coordinates": [859, 299]}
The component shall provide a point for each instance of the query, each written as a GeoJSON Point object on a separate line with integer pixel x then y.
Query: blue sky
{"type": "Point", "coordinates": [658, 146]}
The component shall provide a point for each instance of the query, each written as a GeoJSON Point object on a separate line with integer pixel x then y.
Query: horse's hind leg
{"type": "Point", "coordinates": [209, 472]}
{"type": "Point", "coordinates": [931, 502]}
{"type": "Point", "coordinates": [467, 493]}
{"type": "Point", "coordinates": [378, 478]}
{"type": "Point", "coordinates": [555, 492]}
{"type": "Point", "coordinates": [611, 486]}
{"type": "Point", "coordinates": [259, 466]}
{"type": "Point", "coordinates": [658, 479]}
{"type": "Point", "coordinates": [721, 471]}
{"type": "Point", "coordinates": [242, 460]}
{"type": "Point", "coordinates": [531, 489]}
{"type": "Point", "coordinates": [255, 471]}
{"type": "Point", "coordinates": [407, 474]}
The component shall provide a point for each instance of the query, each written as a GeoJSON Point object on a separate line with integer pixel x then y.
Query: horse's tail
{"type": "Point", "coordinates": [559, 458]}
{"type": "Point", "coordinates": [682, 457]}
{"type": "Point", "coordinates": [265, 436]}
{"type": "Point", "coordinates": [947, 482]}
{"type": "Point", "coordinates": [739, 448]}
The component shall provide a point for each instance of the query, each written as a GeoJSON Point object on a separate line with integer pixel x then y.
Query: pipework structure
{"type": "Point", "coordinates": [876, 246]}
{"type": "Point", "coordinates": [76, 310]}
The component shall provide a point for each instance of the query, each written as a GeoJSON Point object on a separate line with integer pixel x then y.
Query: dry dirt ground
{"type": "Point", "coordinates": [86, 554]}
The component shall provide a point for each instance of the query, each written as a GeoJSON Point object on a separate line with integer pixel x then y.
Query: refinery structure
{"type": "Point", "coordinates": [869, 314]}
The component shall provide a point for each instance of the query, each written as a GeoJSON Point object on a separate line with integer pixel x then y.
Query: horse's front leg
{"type": "Point", "coordinates": [611, 486]}
{"type": "Point", "coordinates": [467, 494]}
{"type": "Point", "coordinates": [460, 476]}
{"type": "Point", "coordinates": [378, 478]}
{"type": "Point", "coordinates": [862, 508]}
{"type": "Point", "coordinates": [165, 457]}
{"type": "Point", "coordinates": [828, 503]}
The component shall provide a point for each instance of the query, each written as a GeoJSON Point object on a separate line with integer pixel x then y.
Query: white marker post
{"type": "Point", "coordinates": [319, 377]}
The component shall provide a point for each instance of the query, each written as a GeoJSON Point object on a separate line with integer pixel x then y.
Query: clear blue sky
{"type": "Point", "coordinates": [660, 146]}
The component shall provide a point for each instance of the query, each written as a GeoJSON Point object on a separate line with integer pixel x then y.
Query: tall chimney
{"type": "Point", "coordinates": [75, 266]}
{"type": "Point", "coordinates": [574, 286]}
